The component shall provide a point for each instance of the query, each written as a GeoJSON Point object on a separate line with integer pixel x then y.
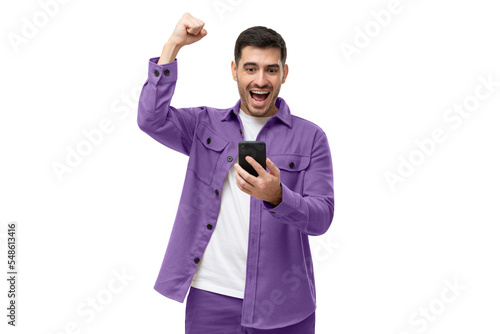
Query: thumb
{"type": "Point", "coordinates": [272, 167]}
{"type": "Point", "coordinates": [200, 35]}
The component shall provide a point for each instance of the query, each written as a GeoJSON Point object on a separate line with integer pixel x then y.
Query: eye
{"type": "Point", "coordinates": [250, 69]}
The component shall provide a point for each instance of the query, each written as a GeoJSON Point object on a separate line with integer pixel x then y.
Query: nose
{"type": "Point", "coordinates": [261, 79]}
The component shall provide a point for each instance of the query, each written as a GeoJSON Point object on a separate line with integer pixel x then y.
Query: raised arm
{"type": "Point", "coordinates": [187, 31]}
{"type": "Point", "coordinates": [170, 126]}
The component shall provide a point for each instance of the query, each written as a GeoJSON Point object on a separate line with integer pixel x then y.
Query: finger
{"type": "Point", "coordinates": [244, 177]}
{"type": "Point", "coordinates": [192, 37]}
{"type": "Point", "coordinates": [192, 29]}
{"type": "Point", "coordinates": [200, 35]}
{"type": "Point", "coordinates": [258, 168]}
{"type": "Point", "coordinates": [200, 22]}
{"type": "Point", "coordinates": [195, 26]}
{"type": "Point", "coordinates": [240, 181]}
{"type": "Point", "coordinates": [272, 167]}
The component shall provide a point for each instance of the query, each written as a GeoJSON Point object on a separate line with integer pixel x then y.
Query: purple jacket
{"type": "Point", "coordinates": [280, 289]}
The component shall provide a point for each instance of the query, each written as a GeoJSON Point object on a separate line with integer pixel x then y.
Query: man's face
{"type": "Point", "coordinates": [259, 75]}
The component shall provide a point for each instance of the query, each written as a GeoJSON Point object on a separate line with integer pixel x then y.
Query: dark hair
{"type": "Point", "coordinates": [261, 37]}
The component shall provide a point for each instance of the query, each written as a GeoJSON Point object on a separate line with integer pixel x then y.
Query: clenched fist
{"type": "Point", "coordinates": [188, 30]}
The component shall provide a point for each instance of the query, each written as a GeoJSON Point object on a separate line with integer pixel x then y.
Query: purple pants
{"type": "Point", "coordinates": [212, 313]}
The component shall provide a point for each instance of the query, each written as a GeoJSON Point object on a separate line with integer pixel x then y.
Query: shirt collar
{"type": "Point", "coordinates": [283, 113]}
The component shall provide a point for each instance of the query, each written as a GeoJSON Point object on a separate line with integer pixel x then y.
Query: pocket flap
{"type": "Point", "coordinates": [290, 162]}
{"type": "Point", "coordinates": [210, 139]}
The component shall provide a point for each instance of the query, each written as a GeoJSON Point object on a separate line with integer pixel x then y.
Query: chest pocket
{"type": "Point", "coordinates": [292, 169]}
{"type": "Point", "coordinates": [205, 153]}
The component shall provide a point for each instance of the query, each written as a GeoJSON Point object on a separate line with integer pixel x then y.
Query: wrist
{"type": "Point", "coordinates": [278, 199]}
{"type": "Point", "coordinates": [169, 52]}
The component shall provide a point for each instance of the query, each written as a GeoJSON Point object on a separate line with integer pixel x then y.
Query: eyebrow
{"type": "Point", "coordinates": [255, 64]}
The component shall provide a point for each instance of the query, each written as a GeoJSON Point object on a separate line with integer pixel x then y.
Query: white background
{"type": "Point", "coordinates": [389, 252]}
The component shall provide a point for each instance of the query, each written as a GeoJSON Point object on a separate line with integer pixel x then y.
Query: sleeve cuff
{"type": "Point", "coordinates": [285, 208]}
{"type": "Point", "coordinates": [164, 73]}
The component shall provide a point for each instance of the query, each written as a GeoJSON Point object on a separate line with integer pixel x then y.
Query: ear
{"type": "Point", "coordinates": [285, 73]}
{"type": "Point", "coordinates": [233, 70]}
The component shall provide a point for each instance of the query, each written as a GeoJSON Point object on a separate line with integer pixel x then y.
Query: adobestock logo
{"type": "Point", "coordinates": [98, 302]}
{"type": "Point", "coordinates": [430, 312]}
{"type": "Point", "coordinates": [380, 20]}
{"type": "Point", "coordinates": [323, 249]}
{"type": "Point", "coordinates": [92, 138]}
{"type": "Point", "coordinates": [224, 6]}
{"type": "Point", "coordinates": [30, 27]}
{"type": "Point", "coordinates": [453, 117]}
{"type": "Point", "coordinates": [293, 278]}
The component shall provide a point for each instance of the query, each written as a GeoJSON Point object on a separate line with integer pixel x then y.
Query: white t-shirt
{"type": "Point", "coordinates": [223, 266]}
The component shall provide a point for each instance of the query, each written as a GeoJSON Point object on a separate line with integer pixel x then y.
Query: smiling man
{"type": "Point", "coordinates": [239, 243]}
{"type": "Point", "coordinates": [259, 72]}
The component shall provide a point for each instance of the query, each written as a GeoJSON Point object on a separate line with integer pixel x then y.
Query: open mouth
{"type": "Point", "coordinates": [259, 96]}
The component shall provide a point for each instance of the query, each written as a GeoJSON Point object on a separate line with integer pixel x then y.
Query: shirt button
{"type": "Point", "coordinates": [292, 165]}
{"type": "Point", "coordinates": [209, 226]}
{"type": "Point", "coordinates": [196, 260]}
{"type": "Point", "coordinates": [157, 73]}
{"type": "Point", "coordinates": [216, 192]}
{"type": "Point", "coordinates": [229, 158]}
{"type": "Point", "coordinates": [166, 72]}
{"type": "Point", "coordinates": [208, 140]}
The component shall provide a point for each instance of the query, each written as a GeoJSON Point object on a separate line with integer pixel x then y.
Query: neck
{"type": "Point", "coordinates": [270, 113]}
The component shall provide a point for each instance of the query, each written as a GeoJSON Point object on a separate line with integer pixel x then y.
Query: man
{"type": "Point", "coordinates": [239, 243]}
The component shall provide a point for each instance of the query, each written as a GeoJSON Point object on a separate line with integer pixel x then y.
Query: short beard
{"type": "Point", "coordinates": [245, 103]}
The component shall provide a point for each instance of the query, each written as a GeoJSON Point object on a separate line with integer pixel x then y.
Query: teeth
{"type": "Point", "coordinates": [259, 92]}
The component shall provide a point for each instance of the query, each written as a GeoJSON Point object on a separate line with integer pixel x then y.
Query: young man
{"type": "Point", "coordinates": [239, 243]}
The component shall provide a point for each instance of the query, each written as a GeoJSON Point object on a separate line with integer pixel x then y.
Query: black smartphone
{"type": "Point", "coordinates": [255, 149]}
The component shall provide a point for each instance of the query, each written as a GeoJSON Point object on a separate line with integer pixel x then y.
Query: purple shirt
{"type": "Point", "coordinates": [279, 289]}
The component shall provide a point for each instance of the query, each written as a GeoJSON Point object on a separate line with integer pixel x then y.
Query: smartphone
{"type": "Point", "coordinates": [255, 149]}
